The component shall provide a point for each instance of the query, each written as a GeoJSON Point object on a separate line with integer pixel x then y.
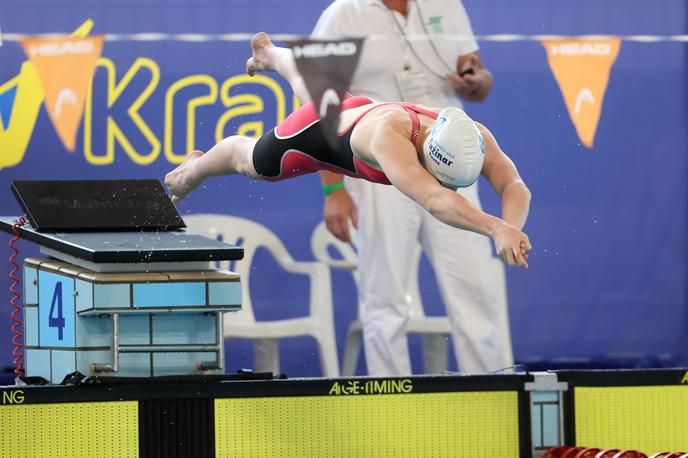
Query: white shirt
{"type": "Point", "coordinates": [381, 60]}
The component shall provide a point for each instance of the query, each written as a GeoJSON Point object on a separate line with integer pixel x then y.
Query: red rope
{"type": "Point", "coordinates": [16, 317]}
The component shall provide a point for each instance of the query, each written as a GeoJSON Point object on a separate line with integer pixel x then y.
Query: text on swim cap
{"type": "Point", "coordinates": [437, 155]}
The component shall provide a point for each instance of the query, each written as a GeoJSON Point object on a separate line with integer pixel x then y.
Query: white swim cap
{"type": "Point", "coordinates": [454, 151]}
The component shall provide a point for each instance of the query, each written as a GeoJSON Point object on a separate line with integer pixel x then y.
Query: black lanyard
{"type": "Point", "coordinates": [402, 32]}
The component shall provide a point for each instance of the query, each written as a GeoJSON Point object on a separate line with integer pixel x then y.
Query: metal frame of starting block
{"type": "Point", "coordinates": [116, 348]}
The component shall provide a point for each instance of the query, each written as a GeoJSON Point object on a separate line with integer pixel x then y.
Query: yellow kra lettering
{"type": "Point", "coordinates": [210, 98]}
{"type": "Point", "coordinates": [247, 104]}
{"type": "Point", "coordinates": [113, 131]}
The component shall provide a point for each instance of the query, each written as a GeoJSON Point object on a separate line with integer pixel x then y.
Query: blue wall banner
{"type": "Point", "coordinates": [609, 272]}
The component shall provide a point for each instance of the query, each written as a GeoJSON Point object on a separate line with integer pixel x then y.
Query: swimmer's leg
{"type": "Point", "coordinates": [267, 57]}
{"type": "Point", "coordinates": [232, 155]}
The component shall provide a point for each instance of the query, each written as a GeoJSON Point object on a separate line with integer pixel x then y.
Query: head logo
{"type": "Point", "coordinates": [329, 98]}
{"type": "Point", "coordinates": [61, 48]}
{"type": "Point", "coordinates": [311, 50]}
{"type": "Point", "coordinates": [65, 68]}
{"type": "Point", "coordinates": [65, 96]}
{"type": "Point", "coordinates": [584, 96]}
{"type": "Point", "coordinates": [580, 49]}
{"type": "Point", "coordinates": [581, 68]}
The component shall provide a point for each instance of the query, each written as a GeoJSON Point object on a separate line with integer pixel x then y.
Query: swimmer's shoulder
{"type": "Point", "coordinates": [386, 114]}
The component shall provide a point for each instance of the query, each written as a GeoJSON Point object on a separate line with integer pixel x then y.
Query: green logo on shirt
{"type": "Point", "coordinates": [435, 23]}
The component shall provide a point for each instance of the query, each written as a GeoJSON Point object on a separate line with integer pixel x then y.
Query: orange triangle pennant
{"type": "Point", "coordinates": [65, 68]}
{"type": "Point", "coordinates": [581, 68]}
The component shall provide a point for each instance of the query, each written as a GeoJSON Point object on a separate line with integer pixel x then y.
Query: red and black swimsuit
{"type": "Point", "coordinates": [297, 146]}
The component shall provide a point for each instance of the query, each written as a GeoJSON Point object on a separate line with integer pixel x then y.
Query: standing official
{"type": "Point", "coordinates": [437, 71]}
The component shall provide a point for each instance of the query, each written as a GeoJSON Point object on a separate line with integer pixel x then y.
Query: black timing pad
{"type": "Point", "coordinates": [97, 205]}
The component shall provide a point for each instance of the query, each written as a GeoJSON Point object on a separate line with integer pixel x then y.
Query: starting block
{"type": "Point", "coordinates": [125, 292]}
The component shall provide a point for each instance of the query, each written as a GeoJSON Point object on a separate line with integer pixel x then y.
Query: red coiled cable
{"type": "Point", "coordinates": [16, 318]}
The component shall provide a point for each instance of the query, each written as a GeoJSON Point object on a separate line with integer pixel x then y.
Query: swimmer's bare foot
{"type": "Point", "coordinates": [260, 44]}
{"type": "Point", "coordinates": [180, 181]}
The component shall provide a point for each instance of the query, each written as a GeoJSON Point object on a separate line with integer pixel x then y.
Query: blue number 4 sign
{"type": "Point", "coordinates": [57, 321]}
{"type": "Point", "coordinates": [56, 311]}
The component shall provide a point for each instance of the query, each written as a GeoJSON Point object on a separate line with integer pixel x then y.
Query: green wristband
{"type": "Point", "coordinates": [330, 188]}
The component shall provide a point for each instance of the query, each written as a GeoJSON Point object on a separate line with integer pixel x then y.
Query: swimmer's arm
{"type": "Point", "coordinates": [399, 161]}
{"type": "Point", "coordinates": [502, 174]}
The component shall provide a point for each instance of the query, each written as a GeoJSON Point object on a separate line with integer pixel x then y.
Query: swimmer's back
{"type": "Point", "coordinates": [364, 120]}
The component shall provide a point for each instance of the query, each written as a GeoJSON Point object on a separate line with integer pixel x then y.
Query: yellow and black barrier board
{"type": "Point", "coordinates": [73, 429]}
{"type": "Point", "coordinates": [416, 416]}
{"type": "Point", "coordinates": [642, 410]}
{"type": "Point", "coordinates": [471, 424]}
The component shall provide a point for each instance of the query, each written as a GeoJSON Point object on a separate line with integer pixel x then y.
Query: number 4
{"type": "Point", "coordinates": [58, 321]}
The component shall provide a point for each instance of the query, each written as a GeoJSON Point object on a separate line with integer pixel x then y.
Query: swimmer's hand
{"type": "Point", "coordinates": [512, 245]}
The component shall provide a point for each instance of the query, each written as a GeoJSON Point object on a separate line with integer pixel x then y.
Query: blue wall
{"type": "Point", "coordinates": [608, 273]}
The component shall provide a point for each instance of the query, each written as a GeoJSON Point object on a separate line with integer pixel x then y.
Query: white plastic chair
{"type": "Point", "coordinates": [266, 334]}
{"type": "Point", "coordinates": [435, 329]}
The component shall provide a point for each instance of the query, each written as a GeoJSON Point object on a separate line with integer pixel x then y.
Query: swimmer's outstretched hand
{"type": "Point", "coordinates": [261, 60]}
{"type": "Point", "coordinates": [512, 245]}
{"type": "Point", "coordinates": [182, 180]}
